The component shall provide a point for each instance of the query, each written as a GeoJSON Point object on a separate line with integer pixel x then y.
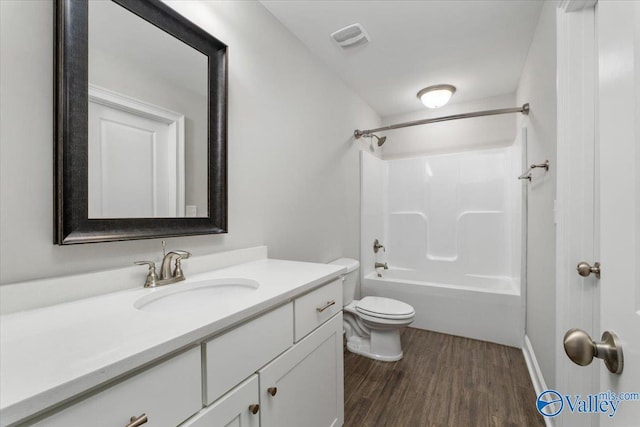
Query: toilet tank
{"type": "Point", "coordinates": [350, 277]}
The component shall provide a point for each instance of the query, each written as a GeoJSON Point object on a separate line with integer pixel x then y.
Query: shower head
{"type": "Point", "coordinates": [380, 140]}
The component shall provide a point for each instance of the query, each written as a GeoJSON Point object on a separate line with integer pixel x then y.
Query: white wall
{"type": "Point", "coordinates": [293, 166]}
{"type": "Point", "coordinates": [455, 135]}
{"type": "Point", "coordinates": [538, 87]}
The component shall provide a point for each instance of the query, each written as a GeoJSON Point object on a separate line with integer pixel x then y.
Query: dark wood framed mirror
{"type": "Point", "coordinates": [140, 123]}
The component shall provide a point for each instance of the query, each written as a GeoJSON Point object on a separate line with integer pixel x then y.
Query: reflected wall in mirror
{"type": "Point", "coordinates": [140, 123]}
{"type": "Point", "coordinates": [147, 119]}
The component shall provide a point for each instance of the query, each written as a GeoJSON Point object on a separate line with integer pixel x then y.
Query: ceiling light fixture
{"type": "Point", "coordinates": [436, 96]}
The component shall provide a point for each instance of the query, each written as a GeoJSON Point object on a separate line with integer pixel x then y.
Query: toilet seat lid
{"type": "Point", "coordinates": [385, 307]}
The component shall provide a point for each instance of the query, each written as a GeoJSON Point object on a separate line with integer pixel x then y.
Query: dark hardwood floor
{"type": "Point", "coordinates": [442, 381]}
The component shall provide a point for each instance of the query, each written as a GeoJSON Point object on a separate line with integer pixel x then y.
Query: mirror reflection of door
{"type": "Point", "coordinates": [139, 173]}
{"type": "Point", "coordinates": [136, 158]}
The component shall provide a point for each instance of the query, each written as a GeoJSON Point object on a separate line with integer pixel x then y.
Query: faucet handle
{"type": "Point", "coordinates": [152, 277]}
{"type": "Point", "coordinates": [181, 254]}
{"type": "Point", "coordinates": [151, 264]}
{"type": "Point", "coordinates": [177, 272]}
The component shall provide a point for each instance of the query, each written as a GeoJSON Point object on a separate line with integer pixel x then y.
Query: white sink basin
{"type": "Point", "coordinates": [197, 295]}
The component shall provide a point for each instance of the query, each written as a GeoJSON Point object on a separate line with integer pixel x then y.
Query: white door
{"type": "Point", "coordinates": [599, 201]}
{"type": "Point", "coordinates": [136, 158]}
{"type": "Point", "coordinates": [127, 163]}
{"type": "Point", "coordinates": [618, 35]}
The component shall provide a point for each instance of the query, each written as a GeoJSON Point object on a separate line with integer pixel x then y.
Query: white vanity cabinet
{"type": "Point", "coordinates": [238, 408]}
{"type": "Point", "coordinates": [281, 367]}
{"type": "Point", "coordinates": [297, 384]}
{"type": "Point", "coordinates": [304, 386]}
{"type": "Point", "coordinates": [301, 387]}
{"type": "Point", "coordinates": [167, 394]}
{"type": "Point", "coordinates": [233, 356]}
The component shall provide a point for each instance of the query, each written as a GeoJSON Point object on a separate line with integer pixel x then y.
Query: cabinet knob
{"type": "Point", "coordinates": [137, 421]}
{"type": "Point", "coordinates": [254, 408]}
{"type": "Point", "coordinates": [272, 390]}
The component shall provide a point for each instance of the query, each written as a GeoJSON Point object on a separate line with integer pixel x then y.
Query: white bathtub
{"type": "Point", "coordinates": [490, 311]}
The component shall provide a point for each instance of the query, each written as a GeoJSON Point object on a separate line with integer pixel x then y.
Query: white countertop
{"type": "Point", "coordinates": [50, 354]}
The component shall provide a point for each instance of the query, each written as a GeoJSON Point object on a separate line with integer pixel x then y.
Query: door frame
{"type": "Point", "coordinates": [577, 300]}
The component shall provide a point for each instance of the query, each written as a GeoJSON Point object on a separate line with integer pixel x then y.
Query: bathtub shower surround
{"type": "Point", "coordinates": [452, 227]}
{"type": "Point", "coordinates": [450, 217]}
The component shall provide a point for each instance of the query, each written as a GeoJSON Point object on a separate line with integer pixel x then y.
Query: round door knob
{"type": "Point", "coordinates": [584, 269]}
{"type": "Point", "coordinates": [581, 349]}
{"type": "Point", "coordinates": [272, 390]}
{"type": "Point", "coordinates": [254, 408]}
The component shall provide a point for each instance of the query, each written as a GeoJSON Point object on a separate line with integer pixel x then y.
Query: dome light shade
{"type": "Point", "coordinates": [436, 96]}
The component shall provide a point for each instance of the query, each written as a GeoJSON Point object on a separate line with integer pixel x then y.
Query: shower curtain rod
{"type": "Point", "coordinates": [367, 132]}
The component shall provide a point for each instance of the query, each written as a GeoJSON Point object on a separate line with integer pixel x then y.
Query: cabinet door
{"type": "Point", "coordinates": [234, 409]}
{"type": "Point", "coordinates": [308, 382]}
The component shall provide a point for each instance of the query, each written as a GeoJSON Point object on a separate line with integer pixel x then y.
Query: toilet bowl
{"type": "Point", "coordinates": [372, 324]}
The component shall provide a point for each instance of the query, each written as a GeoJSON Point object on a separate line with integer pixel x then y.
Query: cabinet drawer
{"type": "Point", "coordinates": [235, 355]}
{"type": "Point", "coordinates": [167, 393]}
{"type": "Point", "coordinates": [315, 308]}
{"type": "Point", "coordinates": [233, 409]}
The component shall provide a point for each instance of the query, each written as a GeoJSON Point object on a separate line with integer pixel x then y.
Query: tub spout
{"type": "Point", "coordinates": [381, 265]}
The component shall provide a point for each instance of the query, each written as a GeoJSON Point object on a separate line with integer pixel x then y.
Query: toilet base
{"type": "Point", "coordinates": [383, 345]}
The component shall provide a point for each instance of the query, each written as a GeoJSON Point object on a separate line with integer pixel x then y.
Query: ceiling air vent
{"type": "Point", "coordinates": [351, 35]}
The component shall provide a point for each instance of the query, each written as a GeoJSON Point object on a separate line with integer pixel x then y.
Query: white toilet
{"type": "Point", "coordinates": [372, 324]}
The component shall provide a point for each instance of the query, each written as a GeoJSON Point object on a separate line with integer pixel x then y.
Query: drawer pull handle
{"type": "Point", "coordinates": [272, 390]}
{"type": "Point", "coordinates": [327, 305]}
{"type": "Point", "coordinates": [137, 421]}
{"type": "Point", "coordinates": [254, 408]}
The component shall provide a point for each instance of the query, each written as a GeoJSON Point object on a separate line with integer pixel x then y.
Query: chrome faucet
{"type": "Point", "coordinates": [377, 246]}
{"type": "Point", "coordinates": [166, 275]}
{"type": "Point", "coordinates": [381, 265]}
{"type": "Point", "coordinates": [165, 268]}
